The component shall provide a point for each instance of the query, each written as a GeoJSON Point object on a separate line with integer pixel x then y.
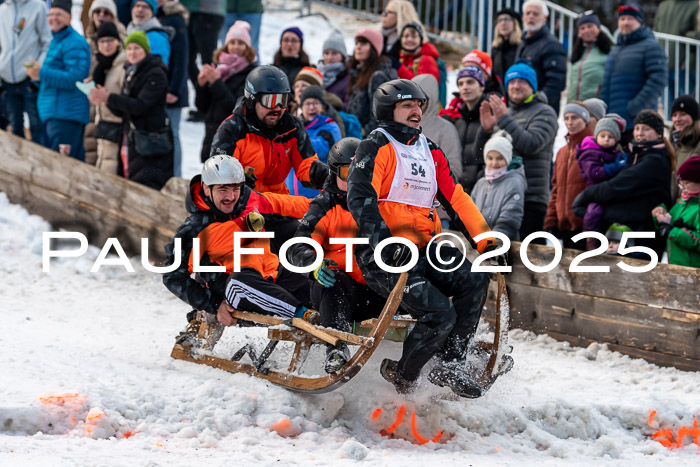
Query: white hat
{"type": "Point", "coordinates": [500, 142]}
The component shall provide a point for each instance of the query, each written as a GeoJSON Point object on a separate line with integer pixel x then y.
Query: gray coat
{"type": "Point", "coordinates": [533, 127]}
{"type": "Point", "coordinates": [502, 201]}
{"type": "Point", "coordinates": [438, 129]}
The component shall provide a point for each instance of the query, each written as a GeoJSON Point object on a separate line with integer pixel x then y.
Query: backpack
{"type": "Point", "coordinates": [443, 82]}
{"type": "Point", "coordinates": [352, 125]}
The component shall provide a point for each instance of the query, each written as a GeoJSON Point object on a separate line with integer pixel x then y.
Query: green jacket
{"type": "Point", "coordinates": [244, 6]}
{"type": "Point", "coordinates": [677, 17]}
{"type": "Point", "coordinates": [586, 76]}
{"type": "Point", "coordinates": [214, 7]}
{"type": "Point", "coordinates": [683, 244]}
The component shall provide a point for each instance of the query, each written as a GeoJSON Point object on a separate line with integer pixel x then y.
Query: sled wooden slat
{"type": "Point", "coordinates": [395, 323]}
{"type": "Point", "coordinates": [350, 338]}
{"type": "Point", "coordinates": [258, 318]}
{"type": "Point", "coordinates": [314, 331]}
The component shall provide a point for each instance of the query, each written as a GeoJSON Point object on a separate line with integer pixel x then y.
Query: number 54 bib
{"type": "Point", "coordinates": [415, 182]}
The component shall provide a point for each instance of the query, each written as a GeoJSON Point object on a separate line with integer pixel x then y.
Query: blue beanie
{"type": "Point", "coordinates": [152, 3]}
{"type": "Point", "coordinates": [523, 71]}
{"type": "Point", "coordinates": [633, 10]}
{"type": "Point", "coordinates": [296, 31]}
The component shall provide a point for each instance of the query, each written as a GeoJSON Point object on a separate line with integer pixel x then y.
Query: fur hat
{"type": "Point", "coordinates": [612, 123]}
{"type": "Point", "coordinates": [296, 31]}
{"type": "Point", "coordinates": [472, 71]}
{"type": "Point", "coordinates": [239, 30]}
{"type": "Point", "coordinates": [522, 71]}
{"type": "Point", "coordinates": [140, 38]}
{"type": "Point", "coordinates": [481, 59]}
{"type": "Point", "coordinates": [651, 118]}
{"type": "Point", "coordinates": [311, 75]}
{"type": "Point", "coordinates": [64, 5]}
{"type": "Point", "coordinates": [597, 107]}
{"type": "Point", "coordinates": [106, 4]}
{"type": "Point", "coordinates": [690, 169]}
{"type": "Point", "coordinates": [152, 3]}
{"type": "Point", "coordinates": [374, 37]}
{"type": "Point", "coordinates": [335, 42]}
{"type": "Point", "coordinates": [500, 142]}
{"type": "Point", "coordinates": [686, 103]}
{"type": "Point", "coordinates": [578, 109]}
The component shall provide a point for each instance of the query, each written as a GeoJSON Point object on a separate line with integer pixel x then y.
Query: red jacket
{"type": "Point", "coordinates": [424, 62]}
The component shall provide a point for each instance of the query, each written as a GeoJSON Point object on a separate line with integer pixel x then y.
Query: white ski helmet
{"type": "Point", "coordinates": [222, 170]}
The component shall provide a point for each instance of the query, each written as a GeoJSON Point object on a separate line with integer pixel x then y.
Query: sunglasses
{"type": "Point", "coordinates": [270, 101]}
{"type": "Point", "coordinates": [101, 11]}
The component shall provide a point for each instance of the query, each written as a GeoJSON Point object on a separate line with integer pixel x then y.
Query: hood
{"type": "Point", "coordinates": [152, 25]}
{"type": "Point", "coordinates": [636, 36]}
{"type": "Point", "coordinates": [429, 49]}
{"type": "Point", "coordinates": [318, 121]}
{"type": "Point", "coordinates": [429, 85]}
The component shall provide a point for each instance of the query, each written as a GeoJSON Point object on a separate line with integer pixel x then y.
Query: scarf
{"type": "Point", "coordinates": [104, 64]}
{"type": "Point", "coordinates": [492, 175]}
{"type": "Point", "coordinates": [148, 26]}
{"type": "Point", "coordinates": [230, 64]}
{"type": "Point", "coordinates": [330, 72]}
{"type": "Point", "coordinates": [686, 195]}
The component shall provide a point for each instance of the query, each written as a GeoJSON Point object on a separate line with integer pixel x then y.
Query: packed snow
{"type": "Point", "coordinates": [87, 378]}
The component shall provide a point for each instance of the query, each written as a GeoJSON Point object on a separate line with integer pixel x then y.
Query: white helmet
{"type": "Point", "coordinates": [222, 170]}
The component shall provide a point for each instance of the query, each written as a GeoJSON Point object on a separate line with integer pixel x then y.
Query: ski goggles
{"type": "Point", "coordinates": [342, 171]}
{"type": "Point", "coordinates": [270, 101]}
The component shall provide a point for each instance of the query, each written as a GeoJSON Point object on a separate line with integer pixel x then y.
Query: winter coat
{"type": "Point", "coordinates": [370, 180]}
{"type": "Point", "coordinates": [677, 17]}
{"type": "Point", "coordinates": [547, 56]}
{"type": "Point", "coordinates": [323, 132]}
{"type": "Point", "coordinates": [502, 201]}
{"type": "Point", "coordinates": [291, 67]}
{"type": "Point", "coordinates": [423, 62]}
{"type": "Point", "coordinates": [337, 85]}
{"type": "Point", "coordinates": [435, 128]}
{"type": "Point", "coordinates": [635, 74]}
{"type": "Point", "coordinates": [360, 100]}
{"type": "Point", "coordinates": [472, 139]}
{"type": "Point", "coordinates": [328, 217]}
{"type": "Point", "coordinates": [173, 14]}
{"type": "Point", "coordinates": [629, 197]}
{"type": "Point", "coordinates": [591, 158]}
{"type": "Point", "coordinates": [272, 152]}
{"type": "Point", "coordinates": [207, 292]}
{"type": "Point", "coordinates": [67, 61]}
{"type": "Point", "coordinates": [212, 7]}
{"type": "Point", "coordinates": [533, 126]}
{"type": "Point", "coordinates": [108, 126]}
{"type": "Point", "coordinates": [683, 244]}
{"type": "Point", "coordinates": [244, 6]}
{"type": "Point", "coordinates": [142, 106]}
{"type": "Point", "coordinates": [567, 183]}
{"type": "Point", "coordinates": [503, 58]}
{"type": "Point", "coordinates": [217, 101]}
{"type": "Point", "coordinates": [159, 37]}
{"type": "Point", "coordinates": [24, 35]}
{"type": "Point", "coordinates": [586, 77]}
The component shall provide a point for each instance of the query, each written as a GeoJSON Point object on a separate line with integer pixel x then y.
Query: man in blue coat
{"type": "Point", "coordinates": [62, 107]}
{"type": "Point", "coordinates": [143, 18]}
{"type": "Point", "coordinates": [636, 70]}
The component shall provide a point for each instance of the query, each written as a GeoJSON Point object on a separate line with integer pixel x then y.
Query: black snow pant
{"type": "Point", "coordinates": [347, 300]}
{"type": "Point", "coordinates": [444, 327]}
{"type": "Point", "coordinates": [247, 290]}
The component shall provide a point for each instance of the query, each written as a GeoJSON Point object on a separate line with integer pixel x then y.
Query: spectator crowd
{"type": "Point", "coordinates": [114, 97]}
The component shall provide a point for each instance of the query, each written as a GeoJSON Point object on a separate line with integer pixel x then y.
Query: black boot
{"type": "Point", "coordinates": [390, 372]}
{"type": "Point", "coordinates": [336, 358]}
{"type": "Point", "coordinates": [453, 376]}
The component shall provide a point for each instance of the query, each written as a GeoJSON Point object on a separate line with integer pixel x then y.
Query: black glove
{"type": "Point", "coordinates": [664, 229]}
{"type": "Point", "coordinates": [500, 260]}
{"type": "Point", "coordinates": [396, 255]}
{"type": "Point", "coordinates": [580, 204]}
{"type": "Point", "coordinates": [250, 180]}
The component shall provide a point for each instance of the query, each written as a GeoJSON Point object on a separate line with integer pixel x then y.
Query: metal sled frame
{"type": "Point", "coordinates": [304, 335]}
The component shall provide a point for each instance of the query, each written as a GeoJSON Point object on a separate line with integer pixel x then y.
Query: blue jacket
{"type": "Point", "coordinates": [635, 74]}
{"type": "Point", "coordinates": [323, 133]}
{"type": "Point", "coordinates": [67, 61]}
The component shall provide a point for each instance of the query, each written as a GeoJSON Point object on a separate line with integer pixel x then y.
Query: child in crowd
{"type": "Point", "coordinates": [682, 224]}
{"type": "Point", "coordinates": [614, 236]}
{"type": "Point", "coordinates": [600, 159]}
{"type": "Point", "coordinates": [500, 194]}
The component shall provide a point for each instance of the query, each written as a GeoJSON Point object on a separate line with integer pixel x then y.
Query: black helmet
{"type": "Point", "coordinates": [342, 153]}
{"type": "Point", "coordinates": [267, 79]}
{"type": "Point", "coordinates": [390, 93]}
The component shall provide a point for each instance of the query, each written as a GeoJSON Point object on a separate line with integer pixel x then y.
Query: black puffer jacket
{"type": "Point", "coordinates": [142, 106]}
{"type": "Point", "coordinates": [291, 67]}
{"type": "Point", "coordinates": [548, 58]}
{"type": "Point", "coordinates": [503, 58]}
{"type": "Point", "coordinates": [360, 100]}
{"type": "Point", "coordinates": [217, 101]}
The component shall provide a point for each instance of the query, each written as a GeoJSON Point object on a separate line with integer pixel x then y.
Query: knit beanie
{"type": "Point", "coordinates": [652, 119]}
{"type": "Point", "coordinates": [152, 3]}
{"type": "Point", "coordinates": [241, 31]}
{"type": "Point", "coordinates": [615, 231]}
{"type": "Point", "coordinates": [417, 27]}
{"type": "Point", "coordinates": [481, 59]}
{"type": "Point", "coordinates": [140, 38]}
{"type": "Point", "coordinates": [374, 37]}
{"type": "Point", "coordinates": [590, 18]}
{"type": "Point", "coordinates": [108, 29]}
{"type": "Point", "coordinates": [311, 75]}
{"type": "Point", "coordinates": [597, 107]}
{"type": "Point", "coordinates": [686, 103]}
{"type": "Point", "coordinates": [631, 9]}
{"type": "Point", "coordinates": [106, 4]}
{"type": "Point", "coordinates": [522, 71]}
{"type": "Point", "coordinates": [471, 71]}
{"type": "Point", "coordinates": [64, 5]}
{"type": "Point", "coordinates": [335, 42]}
{"type": "Point", "coordinates": [690, 169]}
{"type": "Point", "coordinates": [512, 13]}
{"type": "Point", "coordinates": [578, 109]}
{"type": "Point", "coordinates": [296, 31]}
{"type": "Point", "coordinates": [612, 124]}
{"type": "Point", "coordinates": [500, 142]}
{"type": "Point", "coordinates": [312, 92]}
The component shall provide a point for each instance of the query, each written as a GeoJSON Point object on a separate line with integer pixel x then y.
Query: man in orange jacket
{"type": "Point", "coordinates": [394, 181]}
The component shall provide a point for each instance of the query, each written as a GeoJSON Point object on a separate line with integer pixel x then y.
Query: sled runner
{"type": "Point", "coordinates": [491, 363]}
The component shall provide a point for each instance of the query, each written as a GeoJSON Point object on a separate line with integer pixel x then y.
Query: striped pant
{"type": "Point", "coordinates": [247, 290]}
